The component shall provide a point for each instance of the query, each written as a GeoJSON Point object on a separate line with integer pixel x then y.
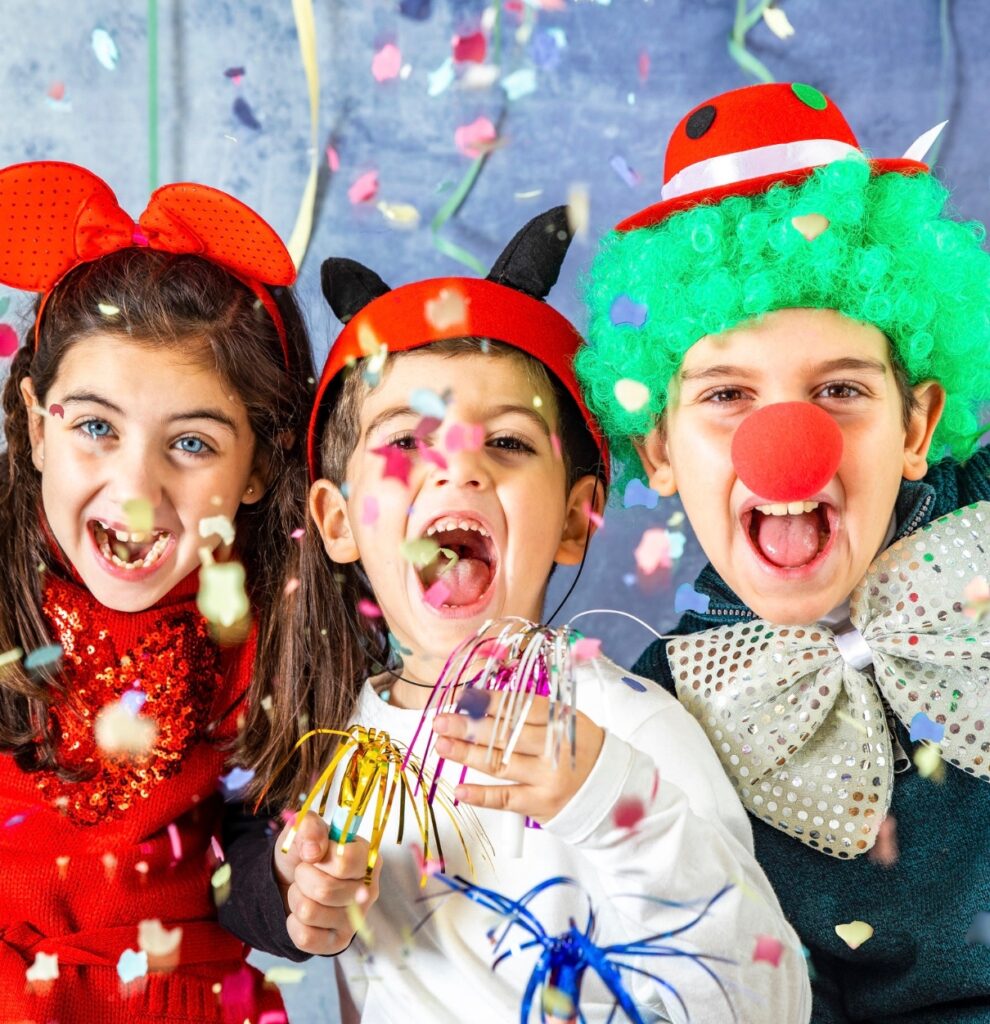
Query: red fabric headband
{"type": "Point", "coordinates": [55, 216]}
{"type": "Point", "coordinates": [417, 314]}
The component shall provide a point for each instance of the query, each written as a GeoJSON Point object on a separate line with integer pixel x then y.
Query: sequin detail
{"type": "Point", "coordinates": [803, 734]}
{"type": "Point", "coordinates": [175, 665]}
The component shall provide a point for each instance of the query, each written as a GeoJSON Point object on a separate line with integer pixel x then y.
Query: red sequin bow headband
{"type": "Point", "coordinates": [55, 216]}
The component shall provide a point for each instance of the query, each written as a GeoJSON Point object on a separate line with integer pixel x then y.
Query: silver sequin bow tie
{"type": "Point", "coordinates": [796, 713]}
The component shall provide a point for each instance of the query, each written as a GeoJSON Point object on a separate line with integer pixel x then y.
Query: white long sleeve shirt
{"type": "Point", "coordinates": [693, 839]}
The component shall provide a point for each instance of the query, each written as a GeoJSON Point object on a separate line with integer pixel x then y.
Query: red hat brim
{"type": "Point", "coordinates": [658, 212]}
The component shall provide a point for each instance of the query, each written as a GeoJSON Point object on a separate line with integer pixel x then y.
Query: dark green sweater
{"type": "Point", "coordinates": [917, 967]}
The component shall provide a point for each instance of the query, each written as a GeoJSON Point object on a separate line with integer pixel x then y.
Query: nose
{"type": "Point", "coordinates": [464, 469]}
{"type": "Point", "coordinates": [787, 451]}
{"type": "Point", "coordinates": [136, 475]}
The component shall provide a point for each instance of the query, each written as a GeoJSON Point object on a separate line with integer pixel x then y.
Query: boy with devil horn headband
{"type": "Point", "coordinates": [812, 330]}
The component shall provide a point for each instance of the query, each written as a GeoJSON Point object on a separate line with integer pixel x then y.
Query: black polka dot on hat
{"type": "Point", "coordinates": [700, 121]}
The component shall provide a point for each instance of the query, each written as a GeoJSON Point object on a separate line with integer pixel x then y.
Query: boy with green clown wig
{"type": "Point", "coordinates": [796, 341]}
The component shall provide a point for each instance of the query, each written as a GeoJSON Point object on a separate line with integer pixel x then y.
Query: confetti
{"type": "Point", "coordinates": [479, 76]}
{"type": "Point", "coordinates": [132, 965]}
{"type": "Point", "coordinates": [333, 159]}
{"type": "Point", "coordinates": [56, 410]}
{"type": "Point", "coordinates": [977, 598]}
{"type": "Point", "coordinates": [235, 780]}
{"type": "Point", "coordinates": [44, 968]}
{"type": "Point", "coordinates": [9, 657]}
{"type": "Point", "coordinates": [474, 703]}
{"type": "Point", "coordinates": [220, 880]}
{"type": "Point", "coordinates": [219, 526]}
{"type": "Point", "coordinates": [43, 657]}
{"type": "Point", "coordinates": [923, 728]}
{"type": "Point", "coordinates": [279, 975]}
{"type": "Point", "coordinates": [653, 551]}
{"type": "Point", "coordinates": [628, 812]}
{"type": "Point", "coordinates": [638, 494]}
{"type": "Point", "coordinates": [427, 402]}
{"type": "Point", "coordinates": [140, 515]}
{"type": "Point", "coordinates": [236, 73]}
{"type": "Point", "coordinates": [119, 732]}
{"type": "Point", "coordinates": [386, 63]}
{"type": "Point", "coordinates": [557, 1004]}
{"type": "Point", "coordinates": [592, 515]}
{"type": "Point", "coordinates": [519, 84]}
{"type": "Point", "coordinates": [427, 868]}
{"type": "Point", "coordinates": [4, 304]}
{"type": "Point", "coordinates": [687, 599]}
{"type": "Point", "coordinates": [56, 92]}
{"type": "Point", "coordinates": [417, 10]}
{"type": "Point", "coordinates": [469, 48]}
{"type": "Point", "coordinates": [298, 533]}
{"type": "Point", "coordinates": [885, 851]}
{"type": "Point", "coordinates": [436, 594]}
{"type": "Point", "coordinates": [768, 949]}
{"type": "Point", "coordinates": [157, 941]}
{"type": "Point", "coordinates": [475, 138]}
{"type": "Point", "coordinates": [369, 510]}
{"type": "Point", "coordinates": [855, 933]}
{"type": "Point", "coordinates": [364, 189]}
{"type": "Point", "coordinates": [465, 437]}
{"type": "Point", "coordinates": [811, 225]}
{"type": "Point", "coordinates": [421, 551]}
{"type": "Point", "coordinates": [578, 210]}
{"type": "Point", "coordinates": [62, 863]}
{"type": "Point", "coordinates": [244, 114]}
{"type": "Point", "coordinates": [625, 310]}
{"type": "Point", "coordinates": [545, 47]}
{"type": "Point", "coordinates": [778, 22]}
{"type": "Point", "coordinates": [643, 66]}
{"type": "Point", "coordinates": [222, 599]}
{"type": "Point", "coordinates": [631, 394]}
{"type": "Point", "coordinates": [105, 48]}
{"type": "Point", "coordinates": [399, 215]}
{"type": "Point", "coordinates": [585, 648]}
{"type": "Point", "coordinates": [108, 309]}
{"type": "Point", "coordinates": [634, 684]}
{"type": "Point", "coordinates": [624, 171]}
{"type": "Point", "coordinates": [439, 80]}
{"type": "Point", "coordinates": [9, 341]}
{"type": "Point", "coordinates": [928, 761]}
{"type": "Point", "coordinates": [355, 915]}
{"type": "Point", "coordinates": [447, 310]}
{"type": "Point", "coordinates": [369, 609]}
{"type": "Point", "coordinates": [397, 463]}
{"type": "Point", "coordinates": [979, 930]}
{"type": "Point", "coordinates": [676, 519]}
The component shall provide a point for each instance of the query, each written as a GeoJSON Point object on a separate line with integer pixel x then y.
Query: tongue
{"type": "Point", "coordinates": [466, 580]}
{"type": "Point", "coordinates": [788, 541]}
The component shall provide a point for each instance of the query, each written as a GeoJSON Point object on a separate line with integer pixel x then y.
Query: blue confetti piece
{"type": "Point", "coordinates": [132, 965]}
{"type": "Point", "coordinates": [624, 171]}
{"type": "Point", "coordinates": [923, 728]}
{"type": "Point", "coordinates": [234, 73]}
{"type": "Point", "coordinates": [393, 642]}
{"type": "Point", "coordinates": [133, 700]}
{"type": "Point", "coordinates": [634, 684]}
{"type": "Point", "coordinates": [520, 83]}
{"type": "Point", "coordinates": [545, 50]}
{"type": "Point", "coordinates": [687, 599]}
{"type": "Point", "coordinates": [417, 10]}
{"type": "Point", "coordinates": [474, 703]}
{"type": "Point", "coordinates": [979, 930]}
{"type": "Point", "coordinates": [244, 114]}
{"type": "Point", "coordinates": [235, 780]}
{"type": "Point", "coordinates": [625, 310]}
{"type": "Point", "coordinates": [4, 304]}
{"type": "Point", "coordinates": [42, 657]}
{"type": "Point", "coordinates": [428, 403]}
{"type": "Point", "coordinates": [629, 579]}
{"type": "Point", "coordinates": [15, 820]}
{"type": "Point", "coordinates": [345, 490]}
{"type": "Point", "coordinates": [638, 494]}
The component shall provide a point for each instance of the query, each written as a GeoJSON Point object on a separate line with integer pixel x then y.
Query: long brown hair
{"type": "Point", "coordinates": [329, 647]}
{"type": "Point", "coordinates": [160, 300]}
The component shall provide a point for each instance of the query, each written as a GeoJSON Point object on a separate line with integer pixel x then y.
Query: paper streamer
{"type": "Point", "coordinates": [306, 30]}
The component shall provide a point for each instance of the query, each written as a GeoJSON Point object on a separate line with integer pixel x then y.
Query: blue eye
{"type": "Point", "coordinates": [192, 445]}
{"type": "Point", "coordinates": [96, 428]}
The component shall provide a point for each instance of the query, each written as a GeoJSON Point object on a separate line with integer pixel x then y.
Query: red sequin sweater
{"type": "Point", "coordinates": [83, 863]}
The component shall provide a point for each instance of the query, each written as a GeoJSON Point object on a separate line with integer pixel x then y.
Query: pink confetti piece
{"type": "Point", "coordinates": [428, 867]}
{"type": "Point", "coordinates": [469, 48]}
{"type": "Point", "coordinates": [429, 455]}
{"type": "Point", "coordinates": [555, 445]}
{"type": "Point", "coordinates": [768, 949]}
{"type": "Point", "coordinates": [217, 849]}
{"type": "Point", "coordinates": [56, 91]}
{"type": "Point", "coordinates": [644, 66]}
{"type": "Point", "coordinates": [653, 551]}
{"type": "Point", "coordinates": [585, 648]}
{"type": "Point", "coordinates": [464, 437]}
{"type": "Point", "coordinates": [175, 840]}
{"type": "Point", "coordinates": [8, 341]}
{"type": "Point", "coordinates": [885, 850]}
{"type": "Point", "coordinates": [333, 159]}
{"type": "Point", "coordinates": [274, 1017]}
{"type": "Point", "coordinates": [437, 594]}
{"type": "Point", "coordinates": [369, 609]}
{"type": "Point", "coordinates": [364, 189]}
{"type": "Point", "coordinates": [387, 63]}
{"type": "Point", "coordinates": [298, 533]}
{"type": "Point", "coordinates": [493, 649]}
{"type": "Point", "coordinates": [628, 812]}
{"type": "Point", "coordinates": [56, 410]}
{"type": "Point", "coordinates": [369, 510]}
{"type": "Point", "coordinates": [594, 516]}
{"type": "Point", "coordinates": [291, 587]}
{"type": "Point", "coordinates": [475, 138]}
{"type": "Point", "coordinates": [397, 463]}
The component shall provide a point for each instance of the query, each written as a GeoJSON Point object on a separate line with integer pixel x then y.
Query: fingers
{"type": "Point", "coordinates": [311, 844]}
{"type": "Point", "coordinates": [519, 767]}
{"type": "Point", "coordinates": [346, 861]}
{"type": "Point", "coordinates": [530, 739]}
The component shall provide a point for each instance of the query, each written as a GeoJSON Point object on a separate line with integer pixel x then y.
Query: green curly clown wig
{"type": "Point", "coordinates": [888, 258]}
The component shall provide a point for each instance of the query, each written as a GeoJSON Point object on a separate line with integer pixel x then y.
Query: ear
{"type": "Point", "coordinates": [531, 262]}
{"type": "Point", "coordinates": [652, 452]}
{"type": "Point", "coordinates": [329, 511]}
{"type": "Point", "coordinates": [586, 496]}
{"type": "Point", "coordinates": [929, 399]}
{"type": "Point", "coordinates": [348, 286]}
{"type": "Point", "coordinates": [36, 423]}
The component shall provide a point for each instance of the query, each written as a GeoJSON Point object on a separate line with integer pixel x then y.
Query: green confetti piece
{"type": "Point", "coordinates": [809, 96]}
{"type": "Point", "coordinates": [4, 304]}
{"type": "Point", "coordinates": [420, 552]}
{"type": "Point", "coordinates": [222, 598]}
{"type": "Point", "coordinates": [139, 514]}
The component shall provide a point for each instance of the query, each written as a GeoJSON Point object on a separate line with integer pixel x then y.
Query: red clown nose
{"type": "Point", "coordinates": [788, 451]}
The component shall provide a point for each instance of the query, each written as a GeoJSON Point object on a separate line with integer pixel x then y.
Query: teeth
{"type": "Point", "coordinates": [113, 549]}
{"type": "Point", "coordinates": [792, 508]}
{"type": "Point", "coordinates": [443, 525]}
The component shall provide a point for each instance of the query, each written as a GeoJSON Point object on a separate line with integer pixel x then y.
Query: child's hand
{"type": "Point", "coordinates": [318, 886]}
{"type": "Point", "coordinates": [542, 791]}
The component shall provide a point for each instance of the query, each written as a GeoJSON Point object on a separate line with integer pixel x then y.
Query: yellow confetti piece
{"type": "Point", "coordinates": [777, 21]}
{"type": "Point", "coordinates": [9, 657]}
{"type": "Point", "coordinates": [119, 731]}
{"type": "Point", "coordinates": [156, 940]}
{"type": "Point", "coordinates": [356, 917]}
{"type": "Point", "coordinates": [578, 210]}
{"type": "Point", "coordinates": [221, 884]}
{"type": "Point", "coordinates": [855, 933]}
{"type": "Point", "coordinates": [139, 514]}
{"type": "Point", "coordinates": [928, 761]}
{"type": "Point", "coordinates": [220, 526]}
{"type": "Point", "coordinates": [811, 225]}
{"type": "Point", "coordinates": [108, 309]}
{"type": "Point", "coordinates": [537, 402]}
{"type": "Point", "coordinates": [420, 552]}
{"type": "Point", "coordinates": [631, 394]}
{"type": "Point", "coordinates": [399, 215]}
{"type": "Point", "coordinates": [447, 309]}
{"type": "Point", "coordinates": [368, 341]}
{"type": "Point", "coordinates": [284, 975]}
{"type": "Point", "coordinates": [557, 1003]}
{"type": "Point", "coordinates": [222, 598]}
{"type": "Point", "coordinates": [676, 519]}
{"type": "Point", "coordinates": [62, 863]}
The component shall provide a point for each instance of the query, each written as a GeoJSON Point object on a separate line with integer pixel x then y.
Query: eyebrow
{"type": "Point", "coordinates": [216, 415]}
{"type": "Point", "coordinates": [723, 370]}
{"type": "Point", "coordinates": [500, 410]}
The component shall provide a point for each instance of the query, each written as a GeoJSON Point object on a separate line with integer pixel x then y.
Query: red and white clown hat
{"type": "Point", "coordinates": [744, 141]}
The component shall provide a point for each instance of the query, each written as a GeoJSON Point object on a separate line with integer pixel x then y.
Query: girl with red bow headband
{"type": "Point", "coordinates": [157, 405]}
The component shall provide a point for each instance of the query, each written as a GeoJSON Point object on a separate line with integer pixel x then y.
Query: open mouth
{"type": "Point", "coordinates": [791, 535]}
{"type": "Point", "coordinates": [462, 574]}
{"type": "Point", "coordinates": [130, 551]}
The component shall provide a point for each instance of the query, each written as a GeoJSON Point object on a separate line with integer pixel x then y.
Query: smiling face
{"type": "Point", "coordinates": [791, 564]}
{"type": "Point", "coordinates": [494, 500]}
{"type": "Point", "coordinates": [166, 434]}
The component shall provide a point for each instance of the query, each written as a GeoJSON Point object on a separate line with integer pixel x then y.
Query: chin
{"type": "Point", "coordinates": [788, 611]}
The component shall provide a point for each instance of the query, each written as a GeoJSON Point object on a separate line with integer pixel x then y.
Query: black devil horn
{"type": "Point", "coordinates": [349, 286]}
{"type": "Point", "coordinates": [531, 262]}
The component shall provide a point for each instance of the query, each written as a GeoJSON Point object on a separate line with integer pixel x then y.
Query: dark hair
{"type": "Point", "coordinates": [330, 648]}
{"type": "Point", "coordinates": [160, 300]}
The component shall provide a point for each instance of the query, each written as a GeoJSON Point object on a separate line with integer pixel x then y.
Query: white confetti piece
{"type": "Point", "coordinates": [105, 48]}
